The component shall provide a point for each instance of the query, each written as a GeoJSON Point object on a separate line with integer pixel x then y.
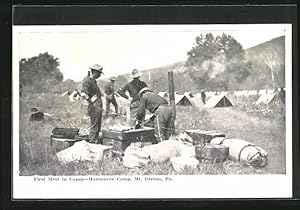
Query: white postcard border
{"type": "Point", "coordinates": [180, 186]}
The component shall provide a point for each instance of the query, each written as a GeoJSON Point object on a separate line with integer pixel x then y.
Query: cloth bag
{"type": "Point", "coordinates": [165, 150]}
{"type": "Point", "coordinates": [82, 151]}
{"type": "Point", "coordinates": [244, 151]}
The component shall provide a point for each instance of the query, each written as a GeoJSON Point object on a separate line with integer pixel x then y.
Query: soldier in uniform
{"type": "Point", "coordinates": [164, 115]}
{"type": "Point", "coordinates": [133, 88]}
{"type": "Point", "coordinates": [91, 93]}
{"type": "Point", "coordinates": [110, 95]}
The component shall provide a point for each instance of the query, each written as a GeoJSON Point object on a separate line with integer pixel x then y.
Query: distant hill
{"type": "Point", "coordinates": [277, 44]}
{"type": "Point", "coordinates": [260, 77]}
{"type": "Point", "coordinates": [274, 51]}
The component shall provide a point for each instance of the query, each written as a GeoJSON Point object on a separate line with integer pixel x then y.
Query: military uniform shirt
{"type": "Point", "coordinates": [91, 88]}
{"type": "Point", "coordinates": [150, 101]}
{"type": "Point", "coordinates": [109, 89]}
{"type": "Point", "coordinates": [133, 88]}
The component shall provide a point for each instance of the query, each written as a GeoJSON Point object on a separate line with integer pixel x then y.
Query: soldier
{"type": "Point", "coordinates": [91, 93]}
{"type": "Point", "coordinates": [163, 113]}
{"type": "Point", "coordinates": [20, 90]}
{"type": "Point", "coordinates": [133, 88]}
{"type": "Point", "coordinates": [203, 96]}
{"type": "Point", "coordinates": [281, 95]}
{"type": "Point", "coordinates": [110, 95]}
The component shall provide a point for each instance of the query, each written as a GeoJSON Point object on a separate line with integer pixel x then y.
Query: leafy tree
{"type": "Point", "coordinates": [217, 63]}
{"type": "Point", "coordinates": [41, 69]}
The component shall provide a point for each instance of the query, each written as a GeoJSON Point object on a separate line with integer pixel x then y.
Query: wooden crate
{"type": "Point", "coordinates": [120, 140]}
{"type": "Point", "coordinates": [69, 133]}
{"type": "Point", "coordinates": [213, 153]}
{"type": "Point", "coordinates": [202, 136]}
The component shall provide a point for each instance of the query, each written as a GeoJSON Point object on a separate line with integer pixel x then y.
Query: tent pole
{"type": "Point", "coordinates": [171, 90]}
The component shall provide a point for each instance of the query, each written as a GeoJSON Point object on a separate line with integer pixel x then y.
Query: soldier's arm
{"type": "Point", "coordinates": [122, 91]}
{"type": "Point", "coordinates": [141, 110]}
{"type": "Point", "coordinates": [85, 90]}
{"type": "Point", "coordinates": [144, 84]}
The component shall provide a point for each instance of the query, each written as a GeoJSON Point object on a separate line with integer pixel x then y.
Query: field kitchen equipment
{"type": "Point", "coordinates": [202, 136]}
{"type": "Point", "coordinates": [62, 138]}
{"type": "Point", "coordinates": [212, 153]}
{"type": "Point", "coordinates": [120, 138]}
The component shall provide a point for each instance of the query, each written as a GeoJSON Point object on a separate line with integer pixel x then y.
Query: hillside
{"type": "Point", "coordinates": [264, 56]}
{"type": "Point", "coordinates": [259, 78]}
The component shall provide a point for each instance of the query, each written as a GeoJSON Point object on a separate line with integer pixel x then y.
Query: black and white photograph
{"type": "Point", "coordinates": [144, 110]}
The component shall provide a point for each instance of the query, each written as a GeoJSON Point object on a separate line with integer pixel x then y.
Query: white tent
{"type": "Point", "coordinates": [182, 100]}
{"type": "Point", "coordinates": [218, 101]}
{"type": "Point", "coordinates": [189, 94]}
{"type": "Point", "coordinates": [74, 96]}
{"type": "Point", "coordinates": [266, 98]}
{"type": "Point", "coordinates": [163, 94]}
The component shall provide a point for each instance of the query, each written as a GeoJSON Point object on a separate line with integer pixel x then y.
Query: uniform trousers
{"type": "Point", "coordinates": [164, 122]}
{"type": "Point", "coordinates": [95, 114]}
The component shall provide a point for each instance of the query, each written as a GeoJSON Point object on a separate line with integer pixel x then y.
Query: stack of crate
{"type": "Point", "coordinates": [206, 152]}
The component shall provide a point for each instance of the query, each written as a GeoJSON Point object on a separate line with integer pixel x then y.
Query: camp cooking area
{"type": "Point", "coordinates": [232, 133]}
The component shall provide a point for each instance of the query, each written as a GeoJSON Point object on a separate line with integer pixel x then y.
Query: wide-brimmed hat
{"type": "Point", "coordinates": [135, 73]}
{"type": "Point", "coordinates": [144, 90]}
{"type": "Point", "coordinates": [97, 67]}
{"type": "Point", "coordinates": [112, 79]}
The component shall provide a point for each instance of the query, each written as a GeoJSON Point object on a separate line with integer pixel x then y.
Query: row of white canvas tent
{"type": "Point", "coordinates": [222, 99]}
{"type": "Point", "coordinates": [213, 99]}
{"type": "Point", "coordinates": [188, 99]}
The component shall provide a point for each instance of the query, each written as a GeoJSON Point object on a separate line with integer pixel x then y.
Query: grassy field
{"type": "Point", "coordinates": [37, 157]}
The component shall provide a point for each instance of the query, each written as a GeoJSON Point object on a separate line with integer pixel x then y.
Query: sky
{"type": "Point", "coordinates": [119, 49]}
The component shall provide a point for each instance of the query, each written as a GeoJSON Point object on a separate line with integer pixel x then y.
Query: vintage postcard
{"type": "Point", "coordinates": [152, 111]}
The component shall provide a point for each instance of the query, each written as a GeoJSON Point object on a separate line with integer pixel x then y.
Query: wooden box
{"type": "Point", "coordinates": [202, 136]}
{"type": "Point", "coordinates": [69, 133]}
{"type": "Point", "coordinates": [212, 153]}
{"type": "Point", "coordinates": [120, 140]}
{"type": "Point", "coordinates": [106, 152]}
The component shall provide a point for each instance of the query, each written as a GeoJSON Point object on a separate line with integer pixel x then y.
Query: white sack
{"type": "Point", "coordinates": [82, 151]}
{"type": "Point", "coordinates": [135, 157]}
{"type": "Point", "coordinates": [245, 151]}
{"type": "Point", "coordinates": [165, 150]}
{"type": "Point", "coordinates": [187, 149]}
